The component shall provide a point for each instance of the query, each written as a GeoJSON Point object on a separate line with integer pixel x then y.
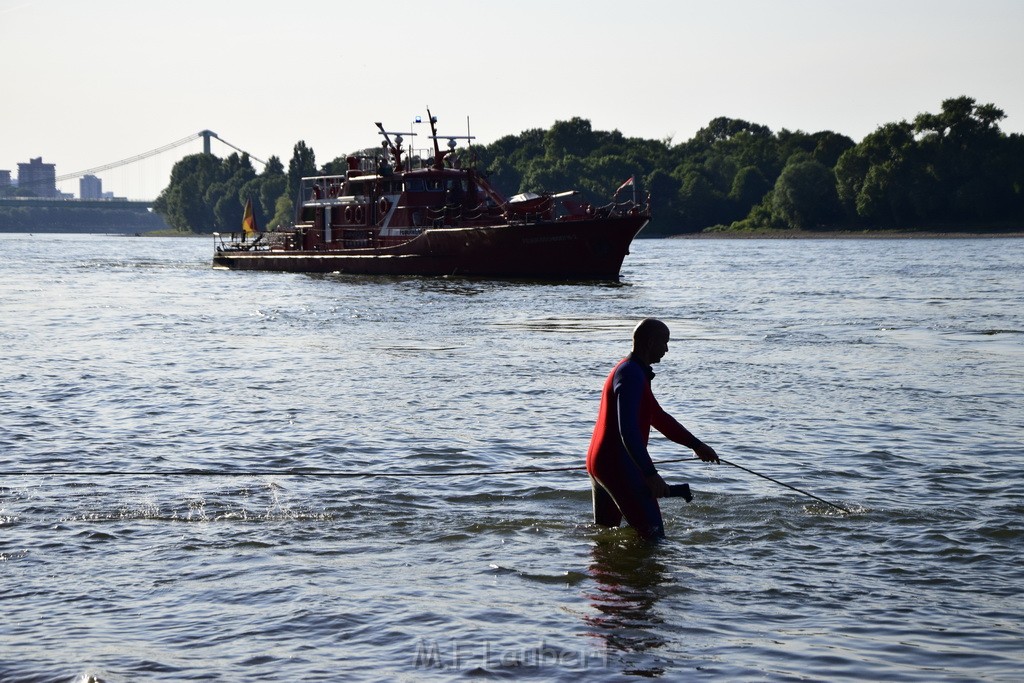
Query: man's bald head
{"type": "Point", "coordinates": [650, 340]}
{"type": "Point", "coordinates": [648, 328]}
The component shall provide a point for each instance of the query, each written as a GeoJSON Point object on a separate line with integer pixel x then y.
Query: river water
{"type": "Point", "coordinates": [884, 376]}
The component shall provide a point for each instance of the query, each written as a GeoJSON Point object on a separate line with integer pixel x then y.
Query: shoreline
{"type": "Point", "coordinates": [850, 234]}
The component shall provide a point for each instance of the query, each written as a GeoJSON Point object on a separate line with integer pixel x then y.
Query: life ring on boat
{"type": "Point", "coordinates": [359, 214]}
{"type": "Point", "coordinates": [383, 205]}
{"type": "Point", "coordinates": [348, 214]}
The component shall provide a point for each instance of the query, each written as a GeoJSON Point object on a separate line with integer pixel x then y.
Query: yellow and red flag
{"type": "Point", "coordinates": [249, 219]}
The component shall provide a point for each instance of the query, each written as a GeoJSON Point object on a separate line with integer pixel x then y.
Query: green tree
{"type": "Point", "coordinates": [227, 210]}
{"type": "Point", "coordinates": [700, 203]}
{"type": "Point", "coordinates": [665, 202]}
{"type": "Point", "coordinates": [732, 156]}
{"type": "Point", "coordinates": [829, 147]}
{"type": "Point", "coordinates": [872, 177]}
{"type": "Point", "coordinates": [264, 191]}
{"type": "Point", "coordinates": [270, 185]}
{"type": "Point", "coordinates": [504, 161]}
{"type": "Point", "coordinates": [723, 129]}
{"type": "Point", "coordinates": [569, 138]}
{"type": "Point", "coordinates": [1013, 150]}
{"type": "Point", "coordinates": [182, 202]}
{"type": "Point", "coordinates": [804, 196]}
{"type": "Point", "coordinates": [961, 146]}
{"type": "Point", "coordinates": [303, 163]}
{"type": "Point", "coordinates": [284, 213]}
{"type": "Point", "coordinates": [749, 186]}
{"type": "Point", "coordinates": [336, 166]}
{"type": "Point", "coordinates": [544, 175]}
{"type": "Point", "coordinates": [227, 196]}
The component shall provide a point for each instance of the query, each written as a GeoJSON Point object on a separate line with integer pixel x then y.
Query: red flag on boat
{"type": "Point", "coordinates": [249, 219]}
{"type": "Point", "coordinates": [625, 185]}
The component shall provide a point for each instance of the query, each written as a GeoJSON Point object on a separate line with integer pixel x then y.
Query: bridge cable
{"type": "Point", "coordinates": [129, 160]}
{"type": "Point", "coordinates": [150, 153]}
{"type": "Point", "coordinates": [239, 149]}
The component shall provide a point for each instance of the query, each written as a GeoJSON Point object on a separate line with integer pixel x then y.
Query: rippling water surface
{"type": "Point", "coordinates": [885, 376]}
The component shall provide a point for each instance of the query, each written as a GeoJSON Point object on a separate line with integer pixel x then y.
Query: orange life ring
{"type": "Point", "coordinates": [348, 214]}
{"type": "Point", "coordinates": [359, 214]}
{"type": "Point", "coordinates": [383, 205]}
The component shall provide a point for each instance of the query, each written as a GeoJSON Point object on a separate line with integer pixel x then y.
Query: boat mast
{"type": "Point", "coordinates": [438, 157]}
{"type": "Point", "coordinates": [438, 154]}
{"type": "Point", "coordinates": [396, 148]}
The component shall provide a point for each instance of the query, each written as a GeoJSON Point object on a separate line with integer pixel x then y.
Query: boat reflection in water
{"type": "Point", "coordinates": [384, 217]}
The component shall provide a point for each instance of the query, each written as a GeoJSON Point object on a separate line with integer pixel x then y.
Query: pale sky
{"type": "Point", "coordinates": [85, 83]}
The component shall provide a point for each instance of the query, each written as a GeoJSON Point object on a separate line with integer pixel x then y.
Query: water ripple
{"type": "Point", "coordinates": [883, 378]}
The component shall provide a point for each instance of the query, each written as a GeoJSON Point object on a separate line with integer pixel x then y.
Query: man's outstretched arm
{"type": "Point", "coordinates": [672, 429]}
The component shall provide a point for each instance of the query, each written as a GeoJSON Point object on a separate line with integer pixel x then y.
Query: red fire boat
{"type": "Point", "coordinates": [384, 217]}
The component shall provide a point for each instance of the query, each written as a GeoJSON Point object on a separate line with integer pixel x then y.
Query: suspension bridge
{"type": "Point", "coordinates": [142, 176]}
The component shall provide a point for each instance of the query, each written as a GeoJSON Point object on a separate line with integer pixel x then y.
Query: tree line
{"type": "Point", "coordinates": [951, 168]}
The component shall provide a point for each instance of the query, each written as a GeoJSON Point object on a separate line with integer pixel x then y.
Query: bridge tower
{"type": "Point", "coordinates": [207, 134]}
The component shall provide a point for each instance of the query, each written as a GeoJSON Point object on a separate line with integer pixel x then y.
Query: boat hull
{"type": "Point", "coordinates": [556, 250]}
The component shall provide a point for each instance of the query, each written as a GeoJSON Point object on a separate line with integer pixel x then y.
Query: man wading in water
{"type": "Point", "coordinates": [624, 480]}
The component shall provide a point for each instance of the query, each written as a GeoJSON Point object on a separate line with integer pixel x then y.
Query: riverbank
{"type": "Point", "coordinates": [83, 217]}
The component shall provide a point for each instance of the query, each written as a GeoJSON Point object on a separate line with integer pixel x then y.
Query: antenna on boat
{"type": "Point", "coordinates": [438, 157]}
{"type": "Point", "coordinates": [396, 147]}
{"type": "Point", "coordinates": [438, 154]}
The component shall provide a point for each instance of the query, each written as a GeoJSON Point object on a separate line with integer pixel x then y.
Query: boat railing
{"type": "Point", "coordinates": [264, 241]}
{"type": "Point", "coordinates": [543, 208]}
{"type": "Point", "coordinates": [477, 212]}
{"type": "Point", "coordinates": [617, 209]}
{"type": "Point", "coordinates": [320, 187]}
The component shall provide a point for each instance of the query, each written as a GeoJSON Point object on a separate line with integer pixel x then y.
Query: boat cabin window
{"type": "Point", "coordinates": [436, 184]}
{"type": "Point", "coordinates": [442, 184]}
{"type": "Point", "coordinates": [366, 187]}
{"type": "Point", "coordinates": [355, 188]}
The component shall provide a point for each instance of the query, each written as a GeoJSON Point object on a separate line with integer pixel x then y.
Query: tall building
{"type": "Point", "coordinates": [37, 177]}
{"type": "Point", "coordinates": [90, 187]}
{"type": "Point", "coordinates": [5, 178]}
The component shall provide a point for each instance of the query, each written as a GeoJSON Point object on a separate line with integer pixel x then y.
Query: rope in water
{"type": "Point", "coordinates": [342, 474]}
{"type": "Point", "coordinates": [776, 481]}
{"type": "Point", "coordinates": [296, 472]}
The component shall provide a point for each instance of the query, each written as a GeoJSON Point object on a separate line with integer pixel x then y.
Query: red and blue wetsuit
{"type": "Point", "coordinates": [618, 461]}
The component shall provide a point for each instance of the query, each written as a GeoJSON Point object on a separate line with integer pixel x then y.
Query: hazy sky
{"type": "Point", "coordinates": [84, 83]}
